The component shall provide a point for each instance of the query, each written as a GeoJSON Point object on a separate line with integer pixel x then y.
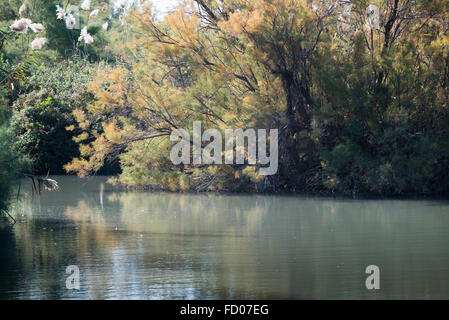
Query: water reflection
{"type": "Point", "coordinates": [177, 246]}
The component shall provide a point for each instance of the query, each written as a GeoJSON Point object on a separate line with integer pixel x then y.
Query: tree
{"type": "Point", "coordinates": [356, 100]}
{"type": "Point", "coordinates": [166, 84]}
{"type": "Point", "coordinates": [384, 101]}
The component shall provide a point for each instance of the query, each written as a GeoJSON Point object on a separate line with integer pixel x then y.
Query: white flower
{"type": "Point", "coordinates": [38, 43]}
{"type": "Point", "coordinates": [60, 14]}
{"type": "Point", "coordinates": [105, 26]}
{"type": "Point", "coordinates": [37, 27]}
{"type": "Point", "coordinates": [21, 26]}
{"type": "Point", "coordinates": [88, 39]}
{"type": "Point", "coordinates": [94, 13]}
{"type": "Point", "coordinates": [83, 33]}
{"type": "Point", "coordinates": [70, 21]}
{"type": "Point", "coordinates": [12, 86]}
{"type": "Point", "coordinates": [85, 36]}
{"type": "Point", "coordinates": [122, 3]}
{"type": "Point", "coordinates": [22, 9]}
{"type": "Point", "coordinates": [122, 18]}
{"type": "Point", "coordinates": [85, 5]}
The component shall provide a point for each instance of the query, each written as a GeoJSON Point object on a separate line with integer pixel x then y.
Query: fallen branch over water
{"type": "Point", "coordinates": [7, 213]}
{"type": "Point", "coordinates": [38, 182]}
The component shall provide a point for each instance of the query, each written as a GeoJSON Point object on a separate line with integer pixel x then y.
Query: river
{"type": "Point", "coordinates": [139, 245]}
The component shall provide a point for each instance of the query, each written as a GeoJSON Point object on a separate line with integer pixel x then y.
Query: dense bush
{"type": "Point", "coordinates": [43, 112]}
{"type": "Point", "coordinates": [12, 162]}
{"type": "Point", "coordinates": [382, 129]}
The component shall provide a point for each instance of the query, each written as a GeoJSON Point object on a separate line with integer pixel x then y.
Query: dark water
{"type": "Point", "coordinates": [175, 246]}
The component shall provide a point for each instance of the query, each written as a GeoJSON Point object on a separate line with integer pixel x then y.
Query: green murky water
{"type": "Point", "coordinates": [134, 245]}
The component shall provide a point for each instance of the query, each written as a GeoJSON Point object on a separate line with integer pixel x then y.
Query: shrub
{"type": "Point", "coordinates": [43, 111]}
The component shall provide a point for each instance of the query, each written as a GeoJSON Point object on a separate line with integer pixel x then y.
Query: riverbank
{"type": "Point", "coordinates": [320, 194]}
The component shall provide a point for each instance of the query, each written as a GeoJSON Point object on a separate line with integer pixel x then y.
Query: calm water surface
{"type": "Point", "coordinates": [133, 245]}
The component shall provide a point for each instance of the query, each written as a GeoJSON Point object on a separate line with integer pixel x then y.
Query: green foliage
{"type": "Point", "coordinates": [43, 111]}
{"type": "Point", "coordinates": [382, 115]}
{"type": "Point", "coordinates": [11, 163]}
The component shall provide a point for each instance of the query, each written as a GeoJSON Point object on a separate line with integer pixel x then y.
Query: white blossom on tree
{"type": "Point", "coordinates": [22, 9]}
{"type": "Point", "coordinates": [70, 21]}
{"type": "Point", "coordinates": [38, 43]}
{"type": "Point", "coordinates": [94, 13]}
{"type": "Point", "coordinates": [37, 27]}
{"type": "Point", "coordinates": [122, 18]}
{"type": "Point", "coordinates": [60, 14]}
{"type": "Point", "coordinates": [122, 4]}
{"type": "Point", "coordinates": [85, 5]}
{"type": "Point", "coordinates": [86, 37]}
{"type": "Point", "coordinates": [21, 26]}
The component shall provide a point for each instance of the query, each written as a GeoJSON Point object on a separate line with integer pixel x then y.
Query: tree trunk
{"type": "Point", "coordinates": [296, 137]}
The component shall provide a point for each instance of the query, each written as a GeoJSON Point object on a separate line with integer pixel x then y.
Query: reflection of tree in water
{"type": "Point", "coordinates": [210, 239]}
{"type": "Point", "coordinates": [160, 240]}
{"type": "Point", "coordinates": [8, 261]}
{"type": "Point", "coordinates": [158, 245]}
{"type": "Point", "coordinates": [255, 246]}
{"type": "Point", "coordinates": [32, 261]}
{"type": "Point", "coordinates": [163, 213]}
